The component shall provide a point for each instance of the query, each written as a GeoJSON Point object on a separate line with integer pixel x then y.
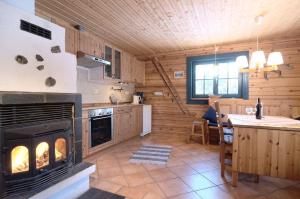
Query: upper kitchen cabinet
{"type": "Point", "coordinates": [108, 55]}
{"type": "Point", "coordinates": [138, 72]}
{"type": "Point", "coordinates": [72, 38]}
{"type": "Point", "coordinates": [114, 56]}
{"type": "Point", "coordinates": [90, 44]}
{"type": "Point", "coordinates": [124, 66]}
{"type": "Point", "coordinates": [83, 41]}
{"type": "Point", "coordinates": [133, 70]}
{"type": "Point", "coordinates": [117, 62]}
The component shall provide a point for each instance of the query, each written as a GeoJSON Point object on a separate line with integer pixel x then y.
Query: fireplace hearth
{"type": "Point", "coordinates": [40, 139]}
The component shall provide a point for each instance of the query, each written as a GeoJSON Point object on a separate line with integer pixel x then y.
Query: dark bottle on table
{"type": "Point", "coordinates": [258, 113]}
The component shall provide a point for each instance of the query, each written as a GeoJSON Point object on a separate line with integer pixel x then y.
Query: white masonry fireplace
{"type": "Point", "coordinates": [40, 111]}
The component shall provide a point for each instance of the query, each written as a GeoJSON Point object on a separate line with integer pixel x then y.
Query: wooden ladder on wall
{"type": "Point", "coordinates": [168, 83]}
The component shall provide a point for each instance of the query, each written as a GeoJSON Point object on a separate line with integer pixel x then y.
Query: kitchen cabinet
{"type": "Point", "coordinates": [133, 70]}
{"type": "Point", "coordinates": [108, 55]}
{"type": "Point", "coordinates": [127, 123]}
{"type": "Point", "coordinates": [122, 125]}
{"type": "Point", "coordinates": [85, 131]}
{"type": "Point", "coordinates": [83, 41]}
{"type": "Point", "coordinates": [117, 63]}
{"type": "Point", "coordinates": [90, 44]}
{"type": "Point", "coordinates": [137, 120]}
{"type": "Point", "coordinates": [71, 40]}
{"type": "Point", "coordinates": [124, 66]}
{"type": "Point", "coordinates": [114, 69]}
{"type": "Point", "coordinates": [138, 72]}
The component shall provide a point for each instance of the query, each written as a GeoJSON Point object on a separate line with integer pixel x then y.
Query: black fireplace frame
{"type": "Point", "coordinates": [72, 128]}
{"type": "Point", "coordinates": [31, 141]}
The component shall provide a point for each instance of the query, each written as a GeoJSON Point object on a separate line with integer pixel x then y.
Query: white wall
{"type": "Point", "coordinates": [13, 41]}
{"type": "Point", "coordinates": [100, 91]}
{"type": "Point", "coordinates": [26, 5]}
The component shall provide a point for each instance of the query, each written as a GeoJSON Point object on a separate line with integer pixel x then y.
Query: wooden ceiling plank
{"type": "Point", "coordinates": [156, 26]}
{"type": "Point", "coordinates": [100, 31]}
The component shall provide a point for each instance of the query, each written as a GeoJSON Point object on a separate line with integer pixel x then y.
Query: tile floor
{"type": "Point", "coordinates": [192, 172]}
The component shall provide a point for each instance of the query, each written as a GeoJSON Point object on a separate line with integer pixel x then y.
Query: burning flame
{"type": "Point", "coordinates": [42, 155]}
{"type": "Point", "coordinates": [58, 155]}
{"type": "Point", "coordinates": [60, 149]}
{"type": "Point", "coordinates": [19, 159]}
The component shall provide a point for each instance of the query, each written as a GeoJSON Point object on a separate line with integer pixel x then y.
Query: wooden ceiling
{"type": "Point", "coordinates": [145, 27]}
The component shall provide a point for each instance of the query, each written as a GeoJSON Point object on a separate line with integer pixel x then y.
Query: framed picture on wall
{"type": "Point", "coordinates": [178, 74]}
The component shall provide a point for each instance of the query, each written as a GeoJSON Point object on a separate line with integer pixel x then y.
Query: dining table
{"type": "Point", "coordinates": [269, 146]}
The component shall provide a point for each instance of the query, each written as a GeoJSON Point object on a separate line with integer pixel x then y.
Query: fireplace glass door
{"type": "Point", "coordinates": [42, 155]}
{"type": "Point", "coordinates": [20, 159]}
{"type": "Point", "coordinates": [60, 149]}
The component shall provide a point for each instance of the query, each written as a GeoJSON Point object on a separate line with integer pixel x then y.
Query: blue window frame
{"type": "Point", "coordinates": [205, 78]}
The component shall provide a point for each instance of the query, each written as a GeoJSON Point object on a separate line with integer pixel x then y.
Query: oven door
{"type": "Point", "coordinates": [100, 130]}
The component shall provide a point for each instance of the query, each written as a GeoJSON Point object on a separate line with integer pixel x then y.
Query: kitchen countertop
{"type": "Point", "coordinates": [106, 105]}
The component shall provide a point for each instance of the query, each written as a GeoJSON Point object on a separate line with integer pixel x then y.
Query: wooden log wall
{"type": "Point", "coordinates": [280, 95]}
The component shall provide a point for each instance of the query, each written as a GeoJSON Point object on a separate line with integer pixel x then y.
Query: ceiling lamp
{"type": "Point", "coordinates": [258, 60]}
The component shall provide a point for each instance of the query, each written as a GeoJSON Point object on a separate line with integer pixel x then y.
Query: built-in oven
{"type": "Point", "coordinates": [100, 126]}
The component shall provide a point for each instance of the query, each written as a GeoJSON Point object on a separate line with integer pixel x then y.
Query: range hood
{"type": "Point", "coordinates": [90, 61]}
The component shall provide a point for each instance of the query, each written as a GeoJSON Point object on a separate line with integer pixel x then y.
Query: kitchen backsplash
{"type": "Point", "coordinates": [100, 91]}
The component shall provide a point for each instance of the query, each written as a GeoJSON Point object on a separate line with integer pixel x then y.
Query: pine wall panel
{"type": "Point", "coordinates": [280, 95]}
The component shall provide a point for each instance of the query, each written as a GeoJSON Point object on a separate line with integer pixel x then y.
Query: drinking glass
{"type": "Point", "coordinates": [248, 110]}
{"type": "Point", "coordinates": [253, 111]}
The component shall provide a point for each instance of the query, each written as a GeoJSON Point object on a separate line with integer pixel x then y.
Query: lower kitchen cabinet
{"type": "Point", "coordinates": [128, 122]}
{"type": "Point", "coordinates": [85, 141]}
{"type": "Point", "coordinates": [137, 120]}
{"type": "Point", "coordinates": [121, 125]}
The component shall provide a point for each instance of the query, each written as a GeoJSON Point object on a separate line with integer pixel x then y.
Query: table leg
{"type": "Point", "coordinates": [234, 178]}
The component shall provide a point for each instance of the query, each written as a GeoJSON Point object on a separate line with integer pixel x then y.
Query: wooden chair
{"type": "Point", "coordinates": [296, 113]}
{"type": "Point", "coordinates": [195, 134]}
{"type": "Point", "coordinates": [226, 138]}
{"type": "Point", "coordinates": [226, 141]}
{"type": "Point", "coordinates": [208, 128]}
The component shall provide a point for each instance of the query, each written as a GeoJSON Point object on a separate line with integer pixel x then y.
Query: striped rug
{"type": "Point", "coordinates": [152, 154]}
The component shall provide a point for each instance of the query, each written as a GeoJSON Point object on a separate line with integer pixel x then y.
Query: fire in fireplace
{"type": "Point", "coordinates": [39, 141]}
{"type": "Point", "coordinates": [20, 159]}
{"type": "Point", "coordinates": [20, 155]}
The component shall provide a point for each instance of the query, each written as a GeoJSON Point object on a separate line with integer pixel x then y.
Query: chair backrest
{"type": "Point", "coordinates": [219, 120]}
{"type": "Point", "coordinates": [296, 112]}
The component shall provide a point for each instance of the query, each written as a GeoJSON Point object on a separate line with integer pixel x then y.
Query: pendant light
{"type": "Point", "coordinates": [215, 68]}
{"type": "Point", "coordinates": [275, 59]}
{"type": "Point", "coordinates": [242, 62]}
{"type": "Point", "coordinates": [258, 60]}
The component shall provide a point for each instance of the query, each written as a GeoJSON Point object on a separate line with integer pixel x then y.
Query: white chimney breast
{"type": "Point", "coordinates": [18, 77]}
{"type": "Point", "coordinates": [25, 5]}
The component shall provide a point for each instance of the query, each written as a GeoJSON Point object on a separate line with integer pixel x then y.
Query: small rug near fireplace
{"type": "Point", "coordinates": [152, 154]}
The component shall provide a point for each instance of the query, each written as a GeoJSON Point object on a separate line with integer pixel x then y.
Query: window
{"type": "Point", "coordinates": [206, 78]}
